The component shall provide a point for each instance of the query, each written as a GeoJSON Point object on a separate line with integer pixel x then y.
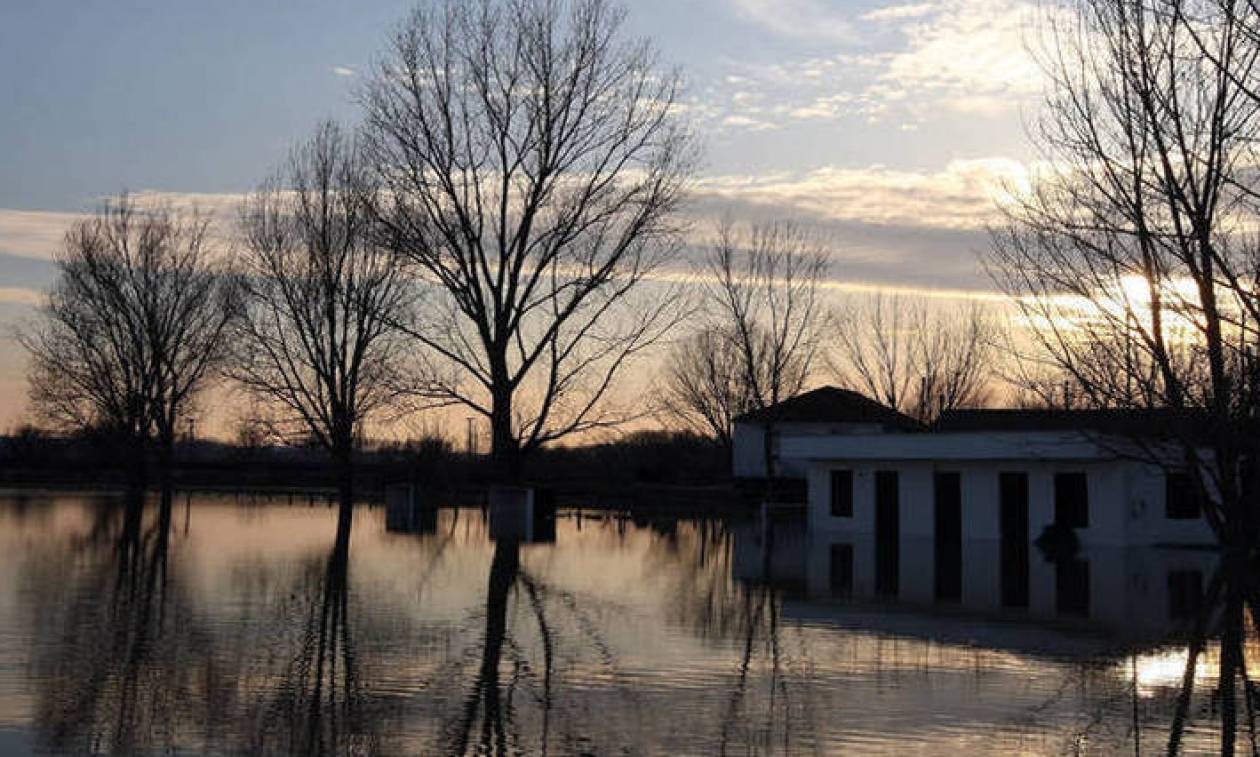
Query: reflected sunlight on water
{"type": "Point", "coordinates": [228, 625]}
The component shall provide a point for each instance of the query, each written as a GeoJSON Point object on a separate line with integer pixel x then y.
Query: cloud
{"type": "Point", "coordinates": [19, 296]}
{"type": "Point", "coordinates": [802, 19]}
{"type": "Point", "coordinates": [751, 124]}
{"type": "Point", "coordinates": [33, 233]}
{"type": "Point", "coordinates": [913, 231]}
{"type": "Point", "coordinates": [899, 12]}
{"type": "Point", "coordinates": [39, 234]}
{"type": "Point", "coordinates": [967, 51]}
{"type": "Point", "coordinates": [919, 59]}
{"type": "Point", "coordinates": [961, 195]}
{"type": "Point", "coordinates": [893, 227]}
{"type": "Point", "coordinates": [343, 71]}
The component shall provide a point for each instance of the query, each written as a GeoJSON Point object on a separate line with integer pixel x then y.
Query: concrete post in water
{"type": "Point", "coordinates": [522, 514]}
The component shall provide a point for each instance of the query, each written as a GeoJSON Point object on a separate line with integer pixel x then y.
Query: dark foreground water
{"type": "Point", "coordinates": [233, 625]}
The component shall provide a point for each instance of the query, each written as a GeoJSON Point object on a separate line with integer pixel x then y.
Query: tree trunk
{"type": "Point", "coordinates": [505, 453]}
{"type": "Point", "coordinates": [343, 459]}
{"type": "Point", "coordinates": [166, 462]}
{"type": "Point", "coordinates": [135, 463]}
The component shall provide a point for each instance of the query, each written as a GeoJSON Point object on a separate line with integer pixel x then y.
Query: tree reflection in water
{"type": "Point", "coordinates": [485, 697]}
{"type": "Point", "coordinates": [318, 703]}
{"type": "Point", "coordinates": [542, 652]}
{"type": "Point", "coordinates": [745, 616]}
{"type": "Point", "coordinates": [1231, 616]}
{"type": "Point", "coordinates": [127, 663]}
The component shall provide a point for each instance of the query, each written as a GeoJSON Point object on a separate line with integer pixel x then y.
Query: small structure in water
{"type": "Point", "coordinates": [522, 514]}
{"type": "Point", "coordinates": [409, 511]}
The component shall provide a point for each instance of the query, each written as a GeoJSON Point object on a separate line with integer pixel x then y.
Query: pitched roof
{"type": "Point", "coordinates": [831, 404]}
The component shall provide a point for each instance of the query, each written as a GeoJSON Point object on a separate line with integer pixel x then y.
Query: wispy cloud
{"type": "Point", "coordinates": [968, 52]}
{"type": "Point", "coordinates": [913, 231]}
{"type": "Point", "coordinates": [961, 56]}
{"type": "Point", "coordinates": [33, 233]}
{"type": "Point", "coordinates": [961, 195]}
{"type": "Point", "coordinates": [39, 233]}
{"type": "Point", "coordinates": [899, 12]}
{"type": "Point", "coordinates": [805, 19]}
{"type": "Point", "coordinates": [885, 222]}
{"type": "Point", "coordinates": [343, 71]}
{"type": "Point", "coordinates": [19, 296]}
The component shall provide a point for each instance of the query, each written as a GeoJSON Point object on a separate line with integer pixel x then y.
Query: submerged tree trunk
{"type": "Point", "coordinates": [343, 460]}
{"type": "Point", "coordinates": [505, 452]}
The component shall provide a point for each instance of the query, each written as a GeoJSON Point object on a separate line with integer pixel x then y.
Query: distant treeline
{"type": "Point", "coordinates": [653, 458]}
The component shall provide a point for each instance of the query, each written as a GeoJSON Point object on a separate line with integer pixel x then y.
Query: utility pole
{"type": "Point", "coordinates": [472, 439]}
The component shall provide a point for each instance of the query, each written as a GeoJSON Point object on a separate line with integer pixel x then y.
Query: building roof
{"type": "Point", "coordinates": [1128, 422]}
{"type": "Point", "coordinates": [831, 404]}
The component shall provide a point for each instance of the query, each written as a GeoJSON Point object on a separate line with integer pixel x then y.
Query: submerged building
{"type": "Point", "coordinates": [1002, 475]}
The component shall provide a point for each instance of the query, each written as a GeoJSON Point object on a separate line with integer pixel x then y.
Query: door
{"type": "Point", "coordinates": [1013, 495]}
{"type": "Point", "coordinates": [948, 535]}
{"type": "Point", "coordinates": [887, 533]}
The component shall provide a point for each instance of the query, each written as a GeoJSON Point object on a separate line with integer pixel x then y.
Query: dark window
{"type": "Point", "coordinates": [842, 569]}
{"type": "Point", "coordinates": [887, 532]}
{"type": "Point", "coordinates": [842, 493]}
{"type": "Point", "coordinates": [1181, 497]}
{"type": "Point", "coordinates": [1071, 500]}
{"type": "Point", "coordinates": [1185, 593]}
{"type": "Point", "coordinates": [1013, 487]}
{"type": "Point", "coordinates": [948, 531]}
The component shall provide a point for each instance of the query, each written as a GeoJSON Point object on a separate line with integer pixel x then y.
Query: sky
{"type": "Point", "coordinates": [890, 127]}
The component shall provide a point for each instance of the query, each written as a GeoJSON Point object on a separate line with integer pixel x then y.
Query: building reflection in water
{"type": "Point", "coordinates": [1141, 594]}
{"type": "Point", "coordinates": [291, 629]}
{"type": "Point", "coordinates": [1180, 620]}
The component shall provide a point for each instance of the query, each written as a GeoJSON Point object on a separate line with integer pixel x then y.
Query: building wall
{"type": "Point", "coordinates": [748, 455]}
{"type": "Point", "coordinates": [748, 451]}
{"type": "Point", "coordinates": [1126, 500]}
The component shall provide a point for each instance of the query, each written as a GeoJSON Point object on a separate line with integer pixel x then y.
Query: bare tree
{"type": "Point", "coordinates": [703, 386]}
{"type": "Point", "coordinates": [321, 337]}
{"type": "Point", "coordinates": [1131, 258]}
{"type": "Point", "coordinates": [133, 328]}
{"type": "Point", "coordinates": [765, 315]}
{"type": "Point", "coordinates": [530, 163]}
{"type": "Point", "coordinates": [915, 360]}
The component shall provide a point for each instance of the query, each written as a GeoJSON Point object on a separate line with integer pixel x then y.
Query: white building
{"type": "Point", "coordinates": [1004, 475]}
{"type": "Point", "coordinates": [825, 412]}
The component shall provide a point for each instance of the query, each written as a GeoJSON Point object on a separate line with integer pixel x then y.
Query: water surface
{"type": "Point", "coordinates": [232, 624]}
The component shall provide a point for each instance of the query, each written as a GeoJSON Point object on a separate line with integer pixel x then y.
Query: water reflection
{"type": "Point", "coordinates": [121, 655]}
{"type": "Point", "coordinates": [242, 626]}
{"type": "Point", "coordinates": [1180, 620]}
{"type": "Point", "coordinates": [316, 705]}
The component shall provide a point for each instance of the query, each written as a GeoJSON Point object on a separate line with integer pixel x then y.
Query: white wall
{"type": "Point", "coordinates": [1126, 500]}
{"type": "Point", "coordinates": [748, 451]}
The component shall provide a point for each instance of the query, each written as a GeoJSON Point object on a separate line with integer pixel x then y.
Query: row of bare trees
{"type": "Point", "coordinates": [767, 330]}
{"type": "Point", "coordinates": [492, 237]}
{"type": "Point", "coordinates": [486, 239]}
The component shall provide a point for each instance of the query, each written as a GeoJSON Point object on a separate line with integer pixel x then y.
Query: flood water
{"type": "Point", "coordinates": [232, 624]}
